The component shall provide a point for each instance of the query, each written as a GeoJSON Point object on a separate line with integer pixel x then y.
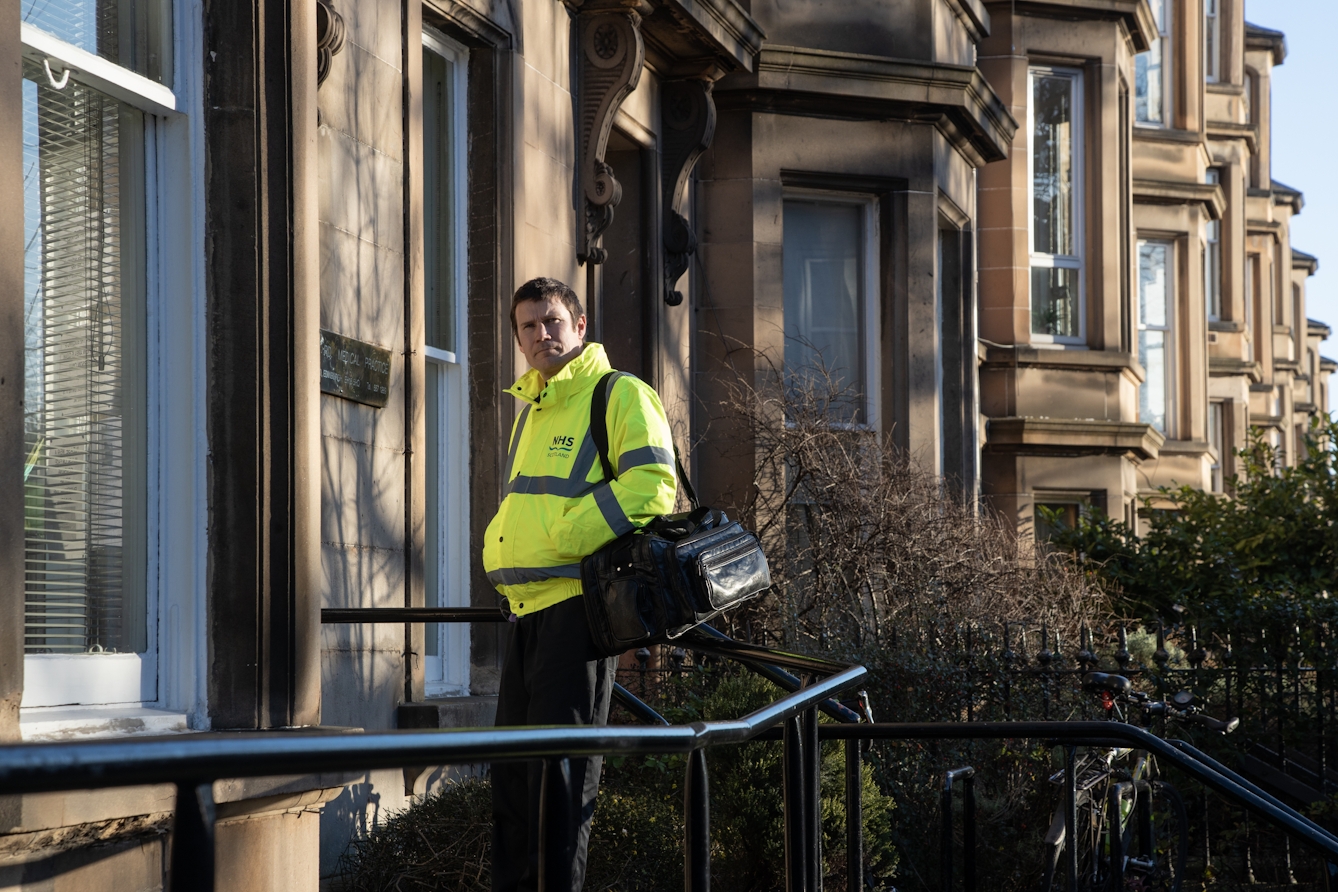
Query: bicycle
{"type": "Point", "coordinates": [1132, 830]}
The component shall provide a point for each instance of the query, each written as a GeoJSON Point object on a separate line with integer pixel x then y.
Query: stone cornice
{"type": "Point", "coordinates": [1225, 367]}
{"type": "Point", "coordinates": [1073, 436]}
{"type": "Point", "coordinates": [1135, 15]}
{"type": "Point", "coordinates": [1273, 227]}
{"type": "Point", "coordinates": [685, 37]}
{"type": "Point", "coordinates": [955, 98]}
{"type": "Point", "coordinates": [1308, 262]}
{"type": "Point", "coordinates": [1210, 195]}
{"type": "Point", "coordinates": [1231, 130]}
{"type": "Point", "coordinates": [1257, 38]}
{"type": "Point", "coordinates": [973, 13]}
{"type": "Point", "coordinates": [1286, 195]}
{"type": "Point", "coordinates": [1002, 356]}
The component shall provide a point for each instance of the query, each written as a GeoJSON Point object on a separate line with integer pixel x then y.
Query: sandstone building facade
{"type": "Point", "coordinates": [1142, 309]}
{"type": "Point", "coordinates": [254, 331]}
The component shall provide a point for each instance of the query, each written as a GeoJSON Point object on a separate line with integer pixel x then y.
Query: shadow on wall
{"type": "Point", "coordinates": [365, 807]}
{"type": "Point", "coordinates": [351, 816]}
{"type": "Point", "coordinates": [134, 864]}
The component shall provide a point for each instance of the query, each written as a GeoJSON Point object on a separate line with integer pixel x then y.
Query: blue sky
{"type": "Point", "coordinates": [1305, 133]}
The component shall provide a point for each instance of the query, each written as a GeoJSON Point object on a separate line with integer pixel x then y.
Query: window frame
{"type": "Point", "coordinates": [1039, 260]}
{"type": "Point", "coordinates": [1217, 440]}
{"type": "Point", "coordinates": [1169, 329]}
{"type": "Point", "coordinates": [872, 296]}
{"type": "Point", "coordinates": [1212, 41]}
{"type": "Point", "coordinates": [1165, 37]}
{"type": "Point", "coordinates": [447, 672]}
{"type": "Point", "coordinates": [161, 676]}
{"type": "Point", "coordinates": [1212, 257]}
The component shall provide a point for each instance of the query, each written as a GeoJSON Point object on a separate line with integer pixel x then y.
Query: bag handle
{"type": "Point", "coordinates": [599, 432]}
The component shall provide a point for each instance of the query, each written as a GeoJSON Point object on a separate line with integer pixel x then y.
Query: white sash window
{"type": "Point", "coordinates": [446, 667]}
{"type": "Point", "coordinates": [96, 96]}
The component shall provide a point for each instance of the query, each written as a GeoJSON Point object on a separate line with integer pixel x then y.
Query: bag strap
{"type": "Point", "coordinates": [599, 432]}
{"type": "Point", "coordinates": [599, 422]}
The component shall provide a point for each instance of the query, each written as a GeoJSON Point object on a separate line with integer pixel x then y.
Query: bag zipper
{"type": "Point", "coordinates": [716, 558]}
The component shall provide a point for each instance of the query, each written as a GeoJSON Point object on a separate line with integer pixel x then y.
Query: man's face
{"type": "Point", "coordinates": [548, 336]}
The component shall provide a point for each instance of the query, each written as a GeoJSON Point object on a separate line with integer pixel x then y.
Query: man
{"type": "Point", "coordinates": [557, 509]}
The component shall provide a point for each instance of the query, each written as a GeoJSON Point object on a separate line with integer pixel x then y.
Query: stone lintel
{"type": "Point", "coordinates": [1210, 195]}
{"type": "Point", "coordinates": [1225, 367]}
{"type": "Point", "coordinates": [1072, 437]}
{"type": "Point", "coordinates": [1025, 356]}
{"type": "Point", "coordinates": [1135, 15]}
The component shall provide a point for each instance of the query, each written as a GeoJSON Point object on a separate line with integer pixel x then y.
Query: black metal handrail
{"type": "Point", "coordinates": [193, 762]}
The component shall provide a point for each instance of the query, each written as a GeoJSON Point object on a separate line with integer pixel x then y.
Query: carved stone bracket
{"type": "Point", "coordinates": [611, 58]}
{"type": "Point", "coordinates": [688, 117]}
{"type": "Point", "coordinates": [329, 38]}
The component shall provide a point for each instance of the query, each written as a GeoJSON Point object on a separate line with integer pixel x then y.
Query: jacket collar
{"type": "Point", "coordinates": [575, 377]}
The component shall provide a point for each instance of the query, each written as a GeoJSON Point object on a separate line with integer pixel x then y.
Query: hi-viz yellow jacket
{"type": "Point", "coordinates": [558, 508]}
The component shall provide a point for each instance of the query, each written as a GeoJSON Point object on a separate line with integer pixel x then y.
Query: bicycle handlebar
{"type": "Point", "coordinates": [1181, 706]}
{"type": "Point", "coordinates": [1213, 724]}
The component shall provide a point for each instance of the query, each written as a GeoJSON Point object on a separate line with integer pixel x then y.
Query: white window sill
{"type": "Point", "coordinates": [87, 722]}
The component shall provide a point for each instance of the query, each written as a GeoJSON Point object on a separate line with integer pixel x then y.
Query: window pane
{"type": "Point", "coordinates": [1152, 271]}
{"type": "Point", "coordinates": [432, 557]}
{"type": "Point", "coordinates": [1212, 259]}
{"type": "Point", "coordinates": [1152, 395]}
{"type": "Point", "coordinates": [1054, 302]}
{"type": "Point", "coordinates": [1053, 164]}
{"type": "Point", "coordinates": [1217, 439]}
{"type": "Point", "coordinates": [824, 300]}
{"type": "Point", "coordinates": [133, 33]}
{"type": "Point", "coordinates": [438, 201]}
{"type": "Point", "coordinates": [1211, 40]}
{"type": "Point", "coordinates": [1154, 296]}
{"type": "Point", "coordinates": [84, 345]}
{"type": "Point", "coordinates": [1148, 74]}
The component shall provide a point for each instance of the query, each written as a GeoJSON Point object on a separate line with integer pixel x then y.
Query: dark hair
{"type": "Point", "coordinates": [543, 288]}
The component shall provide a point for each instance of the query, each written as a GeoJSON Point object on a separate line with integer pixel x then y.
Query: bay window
{"type": "Point", "coordinates": [1055, 110]}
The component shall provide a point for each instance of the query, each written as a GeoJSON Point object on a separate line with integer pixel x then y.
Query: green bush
{"type": "Point", "coordinates": [1263, 560]}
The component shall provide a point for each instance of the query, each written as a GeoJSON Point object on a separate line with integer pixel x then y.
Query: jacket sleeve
{"type": "Point", "coordinates": [641, 450]}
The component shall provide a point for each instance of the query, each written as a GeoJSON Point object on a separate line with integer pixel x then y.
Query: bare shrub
{"type": "Point", "coordinates": [878, 561]}
{"type": "Point", "coordinates": [864, 543]}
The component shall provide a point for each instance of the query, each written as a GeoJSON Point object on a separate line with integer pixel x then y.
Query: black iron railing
{"type": "Point", "coordinates": [193, 762]}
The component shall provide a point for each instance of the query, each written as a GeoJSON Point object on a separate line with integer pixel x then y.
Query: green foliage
{"type": "Point", "coordinates": [637, 836]}
{"type": "Point", "coordinates": [1262, 559]}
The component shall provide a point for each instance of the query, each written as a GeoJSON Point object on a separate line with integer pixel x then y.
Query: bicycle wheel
{"type": "Point", "coordinates": [1156, 840]}
{"type": "Point", "coordinates": [1092, 864]}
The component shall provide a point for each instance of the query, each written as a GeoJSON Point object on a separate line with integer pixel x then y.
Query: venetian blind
{"type": "Point", "coordinates": [84, 419]}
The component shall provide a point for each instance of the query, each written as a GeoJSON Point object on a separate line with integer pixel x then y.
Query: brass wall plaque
{"type": "Point", "coordinates": [355, 370]}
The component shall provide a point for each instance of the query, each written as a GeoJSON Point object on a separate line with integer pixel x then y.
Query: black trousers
{"type": "Point", "coordinates": [551, 676]}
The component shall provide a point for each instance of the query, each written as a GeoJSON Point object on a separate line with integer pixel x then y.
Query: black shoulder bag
{"type": "Point", "coordinates": [680, 570]}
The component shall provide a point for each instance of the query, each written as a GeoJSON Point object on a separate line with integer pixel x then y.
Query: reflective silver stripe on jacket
{"type": "Point", "coordinates": [522, 575]}
{"type": "Point", "coordinates": [645, 455]}
{"type": "Point", "coordinates": [613, 513]}
{"type": "Point", "coordinates": [515, 441]}
{"type": "Point", "coordinates": [574, 485]}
